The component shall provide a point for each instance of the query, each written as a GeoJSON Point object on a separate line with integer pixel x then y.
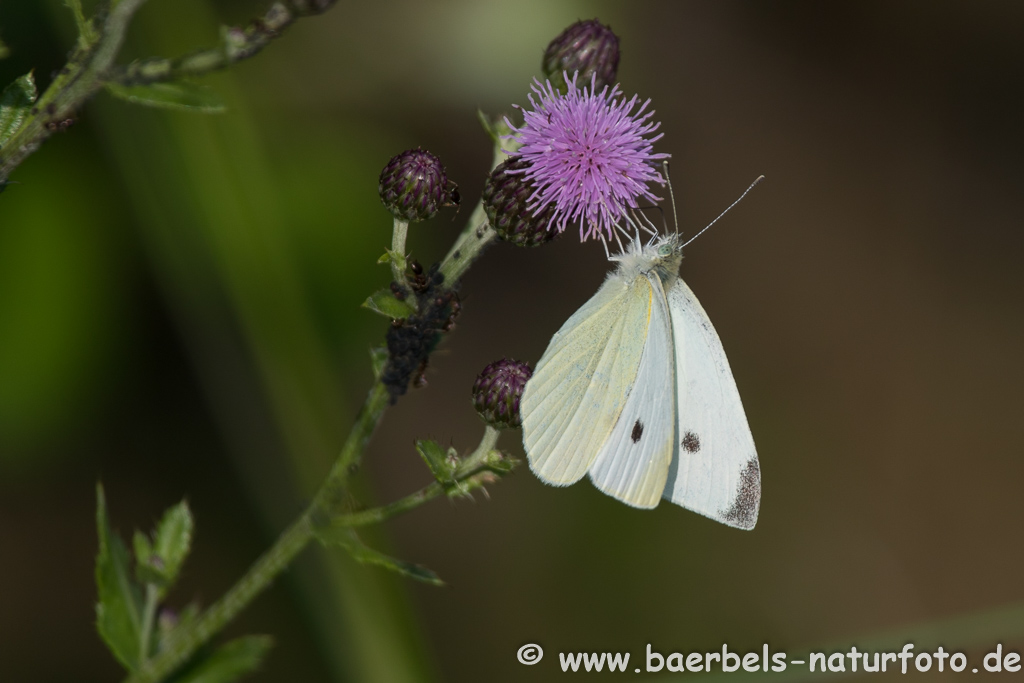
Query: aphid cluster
{"type": "Point", "coordinates": [411, 340]}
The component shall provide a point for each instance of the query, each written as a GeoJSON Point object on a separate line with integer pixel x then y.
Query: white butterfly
{"type": "Point", "coordinates": [635, 390]}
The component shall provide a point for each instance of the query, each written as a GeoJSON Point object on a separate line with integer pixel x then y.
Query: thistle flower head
{"type": "Point", "coordinates": [588, 47]}
{"type": "Point", "coordinates": [505, 197]}
{"type": "Point", "coordinates": [588, 153]}
{"type": "Point", "coordinates": [498, 390]}
{"type": "Point", "coordinates": [414, 185]}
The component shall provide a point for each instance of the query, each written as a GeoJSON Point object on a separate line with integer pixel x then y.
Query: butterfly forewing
{"type": "Point", "coordinates": [581, 383]}
{"type": "Point", "coordinates": [716, 472]}
{"type": "Point", "coordinates": [633, 463]}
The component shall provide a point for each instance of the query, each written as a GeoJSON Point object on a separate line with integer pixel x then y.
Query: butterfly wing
{"type": "Point", "coordinates": [633, 464]}
{"type": "Point", "coordinates": [581, 383]}
{"type": "Point", "coordinates": [716, 472]}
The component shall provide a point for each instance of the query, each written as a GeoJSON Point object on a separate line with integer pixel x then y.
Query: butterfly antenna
{"type": "Point", "coordinates": [607, 254]}
{"type": "Point", "coordinates": [759, 179]}
{"type": "Point", "coordinates": [672, 196]}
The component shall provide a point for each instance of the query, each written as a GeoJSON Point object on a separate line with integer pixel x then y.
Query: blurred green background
{"type": "Point", "coordinates": [179, 316]}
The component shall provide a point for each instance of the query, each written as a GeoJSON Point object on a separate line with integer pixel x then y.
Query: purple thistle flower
{"type": "Point", "coordinates": [587, 154]}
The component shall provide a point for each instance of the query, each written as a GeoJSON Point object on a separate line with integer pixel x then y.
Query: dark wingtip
{"type": "Point", "coordinates": [743, 512]}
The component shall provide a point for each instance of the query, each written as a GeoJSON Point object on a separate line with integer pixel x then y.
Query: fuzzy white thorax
{"type": "Point", "coordinates": [661, 255]}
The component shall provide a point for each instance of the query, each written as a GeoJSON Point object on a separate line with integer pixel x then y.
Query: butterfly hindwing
{"type": "Point", "coordinates": [581, 383]}
{"type": "Point", "coordinates": [633, 463]}
{"type": "Point", "coordinates": [716, 472]}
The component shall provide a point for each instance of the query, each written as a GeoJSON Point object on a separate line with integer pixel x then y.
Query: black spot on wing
{"type": "Point", "coordinates": [743, 512]}
{"type": "Point", "coordinates": [638, 431]}
{"type": "Point", "coordinates": [691, 442]}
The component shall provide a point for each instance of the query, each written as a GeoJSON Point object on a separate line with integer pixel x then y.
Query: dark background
{"type": "Point", "coordinates": [179, 317]}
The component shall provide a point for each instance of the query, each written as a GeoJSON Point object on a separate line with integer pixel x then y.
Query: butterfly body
{"type": "Point", "coordinates": [635, 391]}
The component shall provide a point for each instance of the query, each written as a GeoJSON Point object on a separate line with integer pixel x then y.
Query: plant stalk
{"type": "Point", "coordinates": [472, 465]}
{"type": "Point", "coordinates": [327, 504]}
{"type": "Point", "coordinates": [183, 645]}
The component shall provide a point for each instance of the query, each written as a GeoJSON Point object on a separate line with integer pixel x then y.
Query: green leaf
{"type": "Point", "coordinates": [378, 359]}
{"type": "Point", "coordinates": [361, 552]}
{"type": "Point", "coordinates": [15, 104]}
{"type": "Point", "coordinates": [485, 122]}
{"type": "Point", "coordinates": [160, 561]}
{"type": "Point", "coordinates": [385, 303]}
{"type": "Point", "coordinates": [498, 131]}
{"type": "Point", "coordinates": [120, 601]}
{"type": "Point", "coordinates": [499, 462]}
{"type": "Point", "coordinates": [169, 624]}
{"type": "Point", "coordinates": [229, 662]}
{"type": "Point", "coordinates": [442, 463]}
{"type": "Point", "coordinates": [173, 538]}
{"type": "Point", "coordinates": [179, 95]}
{"type": "Point", "coordinates": [144, 571]}
{"type": "Point", "coordinates": [5, 51]}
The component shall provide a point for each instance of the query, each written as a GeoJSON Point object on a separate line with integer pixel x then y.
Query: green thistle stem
{"type": "Point", "coordinates": [398, 263]}
{"type": "Point", "coordinates": [237, 43]}
{"type": "Point", "coordinates": [262, 573]}
{"type": "Point", "coordinates": [331, 493]}
{"type": "Point", "coordinates": [477, 235]}
{"type": "Point", "coordinates": [328, 501]}
{"type": "Point", "coordinates": [183, 645]}
{"type": "Point", "coordinates": [478, 232]}
{"type": "Point", "coordinates": [471, 466]}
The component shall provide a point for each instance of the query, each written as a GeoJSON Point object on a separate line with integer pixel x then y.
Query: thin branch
{"type": "Point", "coordinates": [477, 469]}
{"type": "Point", "coordinates": [481, 467]}
{"type": "Point", "coordinates": [237, 43]}
{"type": "Point", "coordinates": [183, 645]}
{"type": "Point", "coordinates": [91, 67]}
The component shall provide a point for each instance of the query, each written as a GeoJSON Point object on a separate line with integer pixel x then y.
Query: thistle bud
{"type": "Point", "coordinates": [413, 186]}
{"type": "Point", "coordinates": [506, 197]}
{"type": "Point", "coordinates": [588, 47]}
{"type": "Point", "coordinates": [497, 391]}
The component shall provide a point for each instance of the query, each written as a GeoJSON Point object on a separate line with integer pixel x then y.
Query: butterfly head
{"type": "Point", "coordinates": [661, 255]}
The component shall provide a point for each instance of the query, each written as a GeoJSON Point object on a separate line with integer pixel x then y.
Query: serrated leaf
{"type": "Point", "coordinates": [378, 359]}
{"type": "Point", "coordinates": [15, 105]}
{"type": "Point", "coordinates": [168, 623]}
{"type": "Point", "coordinates": [145, 572]}
{"type": "Point", "coordinates": [179, 95]}
{"type": "Point", "coordinates": [442, 463]}
{"type": "Point", "coordinates": [159, 561]}
{"type": "Point", "coordinates": [385, 303]}
{"type": "Point", "coordinates": [500, 462]}
{"type": "Point", "coordinates": [173, 538]}
{"type": "Point", "coordinates": [143, 548]}
{"type": "Point", "coordinates": [363, 553]}
{"type": "Point", "coordinates": [120, 601]}
{"type": "Point", "coordinates": [229, 662]}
